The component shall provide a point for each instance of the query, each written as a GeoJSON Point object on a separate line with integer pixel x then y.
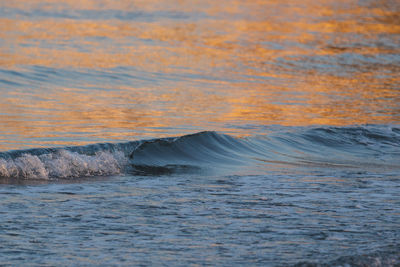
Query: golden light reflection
{"type": "Point", "coordinates": [238, 62]}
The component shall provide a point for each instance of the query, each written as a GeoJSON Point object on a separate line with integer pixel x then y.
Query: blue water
{"type": "Point", "coordinates": [294, 196]}
{"type": "Point", "coordinates": [221, 133]}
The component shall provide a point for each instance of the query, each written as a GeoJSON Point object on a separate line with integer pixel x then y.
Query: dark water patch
{"type": "Point", "coordinates": [169, 169]}
{"type": "Point", "coordinates": [8, 82]}
{"type": "Point", "coordinates": [390, 257]}
{"type": "Point", "coordinates": [101, 14]}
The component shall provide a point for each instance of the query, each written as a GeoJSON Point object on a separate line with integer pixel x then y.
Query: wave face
{"type": "Point", "coordinates": [372, 146]}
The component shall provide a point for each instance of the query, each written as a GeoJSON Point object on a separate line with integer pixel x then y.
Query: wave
{"type": "Point", "coordinates": [376, 146]}
{"type": "Point", "coordinates": [67, 162]}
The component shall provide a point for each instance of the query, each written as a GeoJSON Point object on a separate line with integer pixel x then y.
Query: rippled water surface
{"type": "Point", "coordinates": [80, 72]}
{"type": "Point", "coordinates": [199, 132]}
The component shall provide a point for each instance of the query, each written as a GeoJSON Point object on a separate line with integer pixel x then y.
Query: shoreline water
{"type": "Point", "coordinates": [261, 133]}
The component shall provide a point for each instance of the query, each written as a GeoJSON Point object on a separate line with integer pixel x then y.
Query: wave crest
{"type": "Point", "coordinates": [62, 164]}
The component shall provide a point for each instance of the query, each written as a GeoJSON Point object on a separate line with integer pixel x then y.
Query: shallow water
{"type": "Point", "coordinates": [186, 219]}
{"type": "Point", "coordinates": [203, 133]}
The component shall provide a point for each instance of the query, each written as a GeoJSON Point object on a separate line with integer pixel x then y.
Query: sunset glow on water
{"type": "Point", "coordinates": [80, 72]}
{"type": "Point", "coordinates": [261, 133]}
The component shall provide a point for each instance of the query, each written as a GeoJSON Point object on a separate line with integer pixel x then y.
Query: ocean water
{"type": "Point", "coordinates": [177, 133]}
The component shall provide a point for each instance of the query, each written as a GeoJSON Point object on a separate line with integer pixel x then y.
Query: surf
{"type": "Point", "coordinates": [374, 146]}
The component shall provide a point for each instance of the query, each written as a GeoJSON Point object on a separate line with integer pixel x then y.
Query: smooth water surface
{"type": "Point", "coordinates": [261, 133]}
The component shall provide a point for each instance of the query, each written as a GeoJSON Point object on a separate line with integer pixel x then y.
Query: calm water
{"type": "Point", "coordinates": [261, 133]}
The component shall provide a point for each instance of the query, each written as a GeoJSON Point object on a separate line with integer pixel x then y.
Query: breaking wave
{"type": "Point", "coordinates": [354, 147]}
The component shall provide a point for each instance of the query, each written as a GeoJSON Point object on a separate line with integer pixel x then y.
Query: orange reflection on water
{"type": "Point", "coordinates": [258, 62]}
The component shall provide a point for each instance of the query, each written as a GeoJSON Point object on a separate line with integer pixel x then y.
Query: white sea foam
{"type": "Point", "coordinates": [62, 164]}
